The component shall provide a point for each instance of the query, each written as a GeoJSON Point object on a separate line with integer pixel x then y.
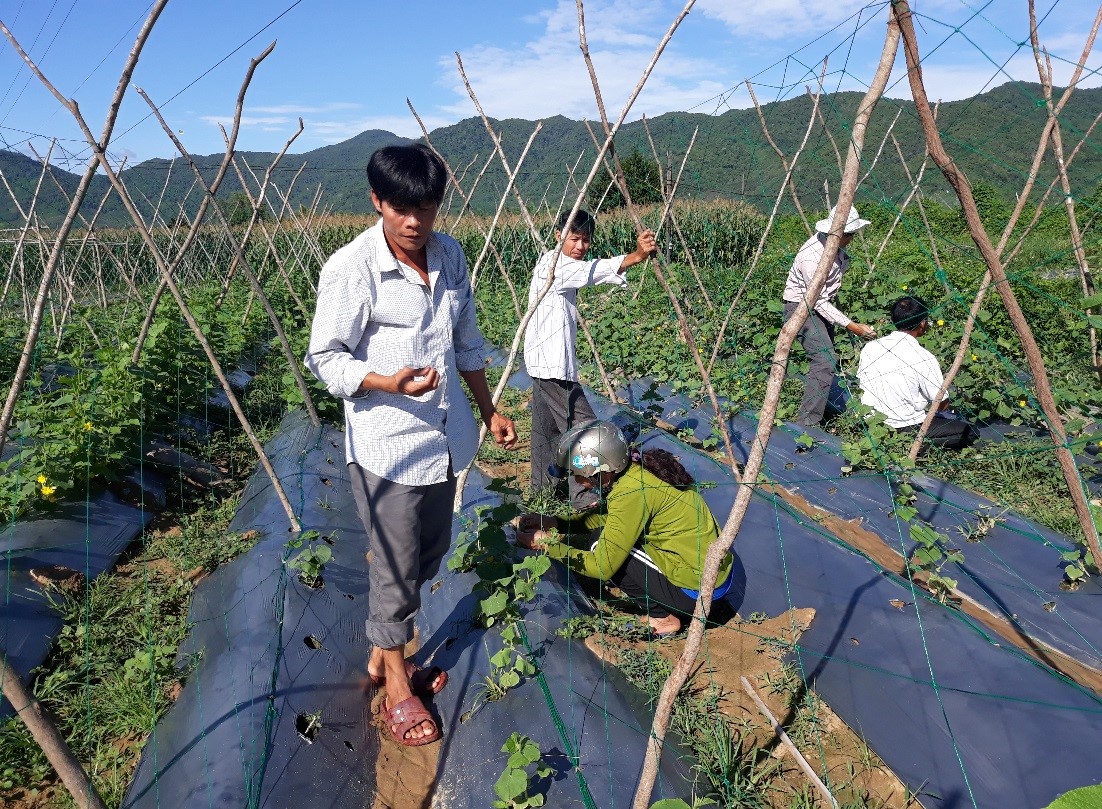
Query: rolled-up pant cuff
{"type": "Point", "coordinates": [387, 635]}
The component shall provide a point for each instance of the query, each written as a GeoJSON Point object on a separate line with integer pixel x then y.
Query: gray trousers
{"type": "Point", "coordinates": [817, 338]}
{"type": "Point", "coordinates": [409, 531]}
{"type": "Point", "coordinates": [557, 405]}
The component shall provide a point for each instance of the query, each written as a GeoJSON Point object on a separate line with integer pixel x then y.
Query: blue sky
{"type": "Point", "coordinates": [348, 65]}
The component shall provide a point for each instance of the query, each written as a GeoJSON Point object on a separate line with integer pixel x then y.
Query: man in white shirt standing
{"type": "Point", "coordinates": [393, 332]}
{"type": "Point", "coordinates": [558, 401]}
{"type": "Point", "coordinates": [901, 379]}
{"type": "Point", "coordinates": [817, 334]}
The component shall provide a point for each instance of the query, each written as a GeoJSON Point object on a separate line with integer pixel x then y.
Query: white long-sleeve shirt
{"type": "Point", "coordinates": [376, 314]}
{"type": "Point", "coordinates": [899, 378]}
{"type": "Point", "coordinates": [549, 351]}
{"type": "Point", "coordinates": [803, 270]}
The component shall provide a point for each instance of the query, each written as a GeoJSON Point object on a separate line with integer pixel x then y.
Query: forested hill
{"type": "Point", "coordinates": [993, 136]}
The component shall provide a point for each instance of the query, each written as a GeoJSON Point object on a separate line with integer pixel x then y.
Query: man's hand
{"type": "Point", "coordinates": [414, 381]}
{"type": "Point", "coordinates": [645, 247]}
{"type": "Point", "coordinates": [861, 330]}
{"type": "Point", "coordinates": [645, 244]}
{"type": "Point", "coordinates": [503, 430]}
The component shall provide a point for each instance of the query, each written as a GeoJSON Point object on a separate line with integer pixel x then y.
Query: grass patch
{"type": "Point", "coordinates": [113, 672]}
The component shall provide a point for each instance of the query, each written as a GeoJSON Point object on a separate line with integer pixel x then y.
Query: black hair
{"type": "Point", "coordinates": [407, 175]}
{"type": "Point", "coordinates": [908, 312]}
{"type": "Point", "coordinates": [665, 466]}
{"type": "Point", "coordinates": [584, 224]}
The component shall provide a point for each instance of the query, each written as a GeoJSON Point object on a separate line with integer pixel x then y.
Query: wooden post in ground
{"type": "Point", "coordinates": [901, 12]}
{"type": "Point", "coordinates": [49, 738]}
{"type": "Point", "coordinates": [719, 549]}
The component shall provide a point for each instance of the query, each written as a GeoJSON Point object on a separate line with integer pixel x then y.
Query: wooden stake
{"type": "Point", "coordinates": [721, 547]}
{"type": "Point", "coordinates": [801, 762]}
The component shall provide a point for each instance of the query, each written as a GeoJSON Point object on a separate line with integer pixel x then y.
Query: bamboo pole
{"type": "Point", "coordinates": [901, 12]}
{"type": "Point", "coordinates": [519, 334]}
{"type": "Point", "coordinates": [99, 151]}
{"type": "Point", "coordinates": [801, 762]}
{"type": "Point", "coordinates": [35, 320]}
{"type": "Point", "coordinates": [760, 249]}
{"type": "Point", "coordinates": [49, 738]}
{"type": "Point", "coordinates": [1044, 71]}
{"type": "Point", "coordinates": [789, 182]}
{"type": "Point", "coordinates": [239, 258]}
{"type": "Point", "coordinates": [1023, 197]}
{"type": "Point", "coordinates": [785, 339]}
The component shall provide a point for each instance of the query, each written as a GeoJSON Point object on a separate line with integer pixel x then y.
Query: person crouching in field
{"type": "Point", "coordinates": [649, 537]}
{"type": "Point", "coordinates": [817, 334]}
{"type": "Point", "coordinates": [558, 401]}
{"type": "Point", "coordinates": [901, 379]}
{"type": "Point", "coordinates": [393, 332]}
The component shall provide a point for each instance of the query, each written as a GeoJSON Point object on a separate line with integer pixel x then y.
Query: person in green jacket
{"type": "Point", "coordinates": [652, 534]}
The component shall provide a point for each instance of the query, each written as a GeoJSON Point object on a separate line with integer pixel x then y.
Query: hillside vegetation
{"type": "Point", "coordinates": [992, 135]}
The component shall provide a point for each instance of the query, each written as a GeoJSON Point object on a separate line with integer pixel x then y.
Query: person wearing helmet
{"type": "Point", "coordinates": [817, 333]}
{"type": "Point", "coordinates": [558, 401]}
{"type": "Point", "coordinates": [650, 538]}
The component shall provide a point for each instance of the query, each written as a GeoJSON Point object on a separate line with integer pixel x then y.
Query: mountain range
{"type": "Point", "coordinates": [992, 136]}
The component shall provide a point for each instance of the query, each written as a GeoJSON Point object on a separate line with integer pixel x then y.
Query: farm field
{"type": "Point", "coordinates": [186, 577]}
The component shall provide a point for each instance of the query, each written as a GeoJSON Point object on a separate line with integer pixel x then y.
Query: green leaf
{"type": "Point", "coordinates": [906, 513]}
{"type": "Point", "coordinates": [511, 784]}
{"type": "Point", "coordinates": [1082, 798]}
{"type": "Point", "coordinates": [670, 803]}
{"type": "Point", "coordinates": [495, 603]}
{"type": "Point", "coordinates": [509, 679]}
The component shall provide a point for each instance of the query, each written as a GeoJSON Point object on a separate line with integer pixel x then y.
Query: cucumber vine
{"type": "Point", "coordinates": [504, 584]}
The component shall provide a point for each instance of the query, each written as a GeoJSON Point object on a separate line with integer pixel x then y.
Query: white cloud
{"type": "Point", "coordinates": [305, 109]}
{"type": "Point", "coordinates": [779, 19]}
{"type": "Point", "coordinates": [547, 76]}
{"type": "Point", "coordinates": [246, 120]}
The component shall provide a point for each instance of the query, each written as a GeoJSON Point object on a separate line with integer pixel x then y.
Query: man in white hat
{"type": "Point", "coordinates": [817, 334]}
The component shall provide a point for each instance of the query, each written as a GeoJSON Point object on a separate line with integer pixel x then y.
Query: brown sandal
{"type": "Point", "coordinates": [406, 715]}
{"type": "Point", "coordinates": [420, 680]}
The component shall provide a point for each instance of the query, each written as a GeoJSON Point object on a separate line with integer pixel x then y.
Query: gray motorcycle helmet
{"type": "Point", "coordinates": [593, 447]}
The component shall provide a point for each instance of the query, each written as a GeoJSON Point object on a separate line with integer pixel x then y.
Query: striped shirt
{"type": "Point", "coordinates": [376, 314]}
{"type": "Point", "coordinates": [549, 351]}
{"type": "Point", "coordinates": [803, 270]}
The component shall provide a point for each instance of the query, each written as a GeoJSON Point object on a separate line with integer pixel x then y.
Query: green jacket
{"type": "Point", "coordinates": [673, 526]}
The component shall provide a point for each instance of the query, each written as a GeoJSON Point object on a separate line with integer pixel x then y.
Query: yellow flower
{"type": "Point", "coordinates": [42, 479]}
{"type": "Point", "coordinates": [87, 425]}
{"type": "Point", "coordinates": [1021, 402]}
{"type": "Point", "coordinates": [904, 287]}
{"type": "Point", "coordinates": [941, 322]}
{"type": "Point", "coordinates": [974, 358]}
{"type": "Point", "coordinates": [48, 490]}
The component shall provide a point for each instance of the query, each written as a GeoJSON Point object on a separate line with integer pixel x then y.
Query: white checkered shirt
{"type": "Point", "coordinates": [803, 270]}
{"type": "Point", "coordinates": [549, 351]}
{"type": "Point", "coordinates": [376, 314]}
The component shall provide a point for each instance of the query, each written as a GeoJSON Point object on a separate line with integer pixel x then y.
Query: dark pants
{"type": "Point", "coordinates": [947, 433]}
{"type": "Point", "coordinates": [557, 405]}
{"type": "Point", "coordinates": [817, 338]}
{"type": "Point", "coordinates": [409, 531]}
{"type": "Point", "coordinates": [652, 592]}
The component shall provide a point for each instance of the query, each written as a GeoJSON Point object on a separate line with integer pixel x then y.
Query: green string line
{"type": "Point", "coordinates": [583, 787]}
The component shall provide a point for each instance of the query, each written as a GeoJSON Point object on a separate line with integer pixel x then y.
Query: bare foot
{"type": "Point", "coordinates": [665, 626]}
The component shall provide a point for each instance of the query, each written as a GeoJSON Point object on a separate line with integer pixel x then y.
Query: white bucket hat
{"type": "Point", "coordinates": [853, 224]}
